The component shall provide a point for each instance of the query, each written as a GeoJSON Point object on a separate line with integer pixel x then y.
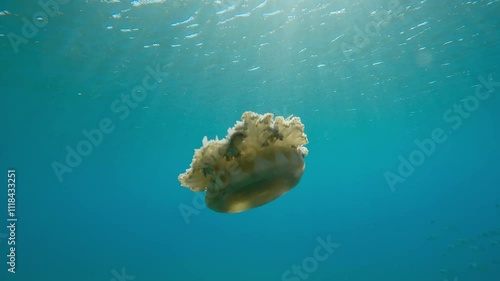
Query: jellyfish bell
{"type": "Point", "coordinates": [260, 160]}
{"type": "Point", "coordinates": [273, 173]}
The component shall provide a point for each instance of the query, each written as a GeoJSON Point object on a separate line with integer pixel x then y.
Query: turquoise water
{"type": "Point", "coordinates": [400, 105]}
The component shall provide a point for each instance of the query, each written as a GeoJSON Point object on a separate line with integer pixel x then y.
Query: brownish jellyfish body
{"type": "Point", "coordinates": [260, 159]}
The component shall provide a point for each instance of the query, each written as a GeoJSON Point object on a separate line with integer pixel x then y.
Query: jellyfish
{"type": "Point", "coordinates": [260, 159]}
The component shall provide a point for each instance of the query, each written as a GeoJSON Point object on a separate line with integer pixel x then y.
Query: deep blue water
{"type": "Point", "coordinates": [369, 79]}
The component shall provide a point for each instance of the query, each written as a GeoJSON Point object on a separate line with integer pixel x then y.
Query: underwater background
{"type": "Point", "coordinates": [103, 103]}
